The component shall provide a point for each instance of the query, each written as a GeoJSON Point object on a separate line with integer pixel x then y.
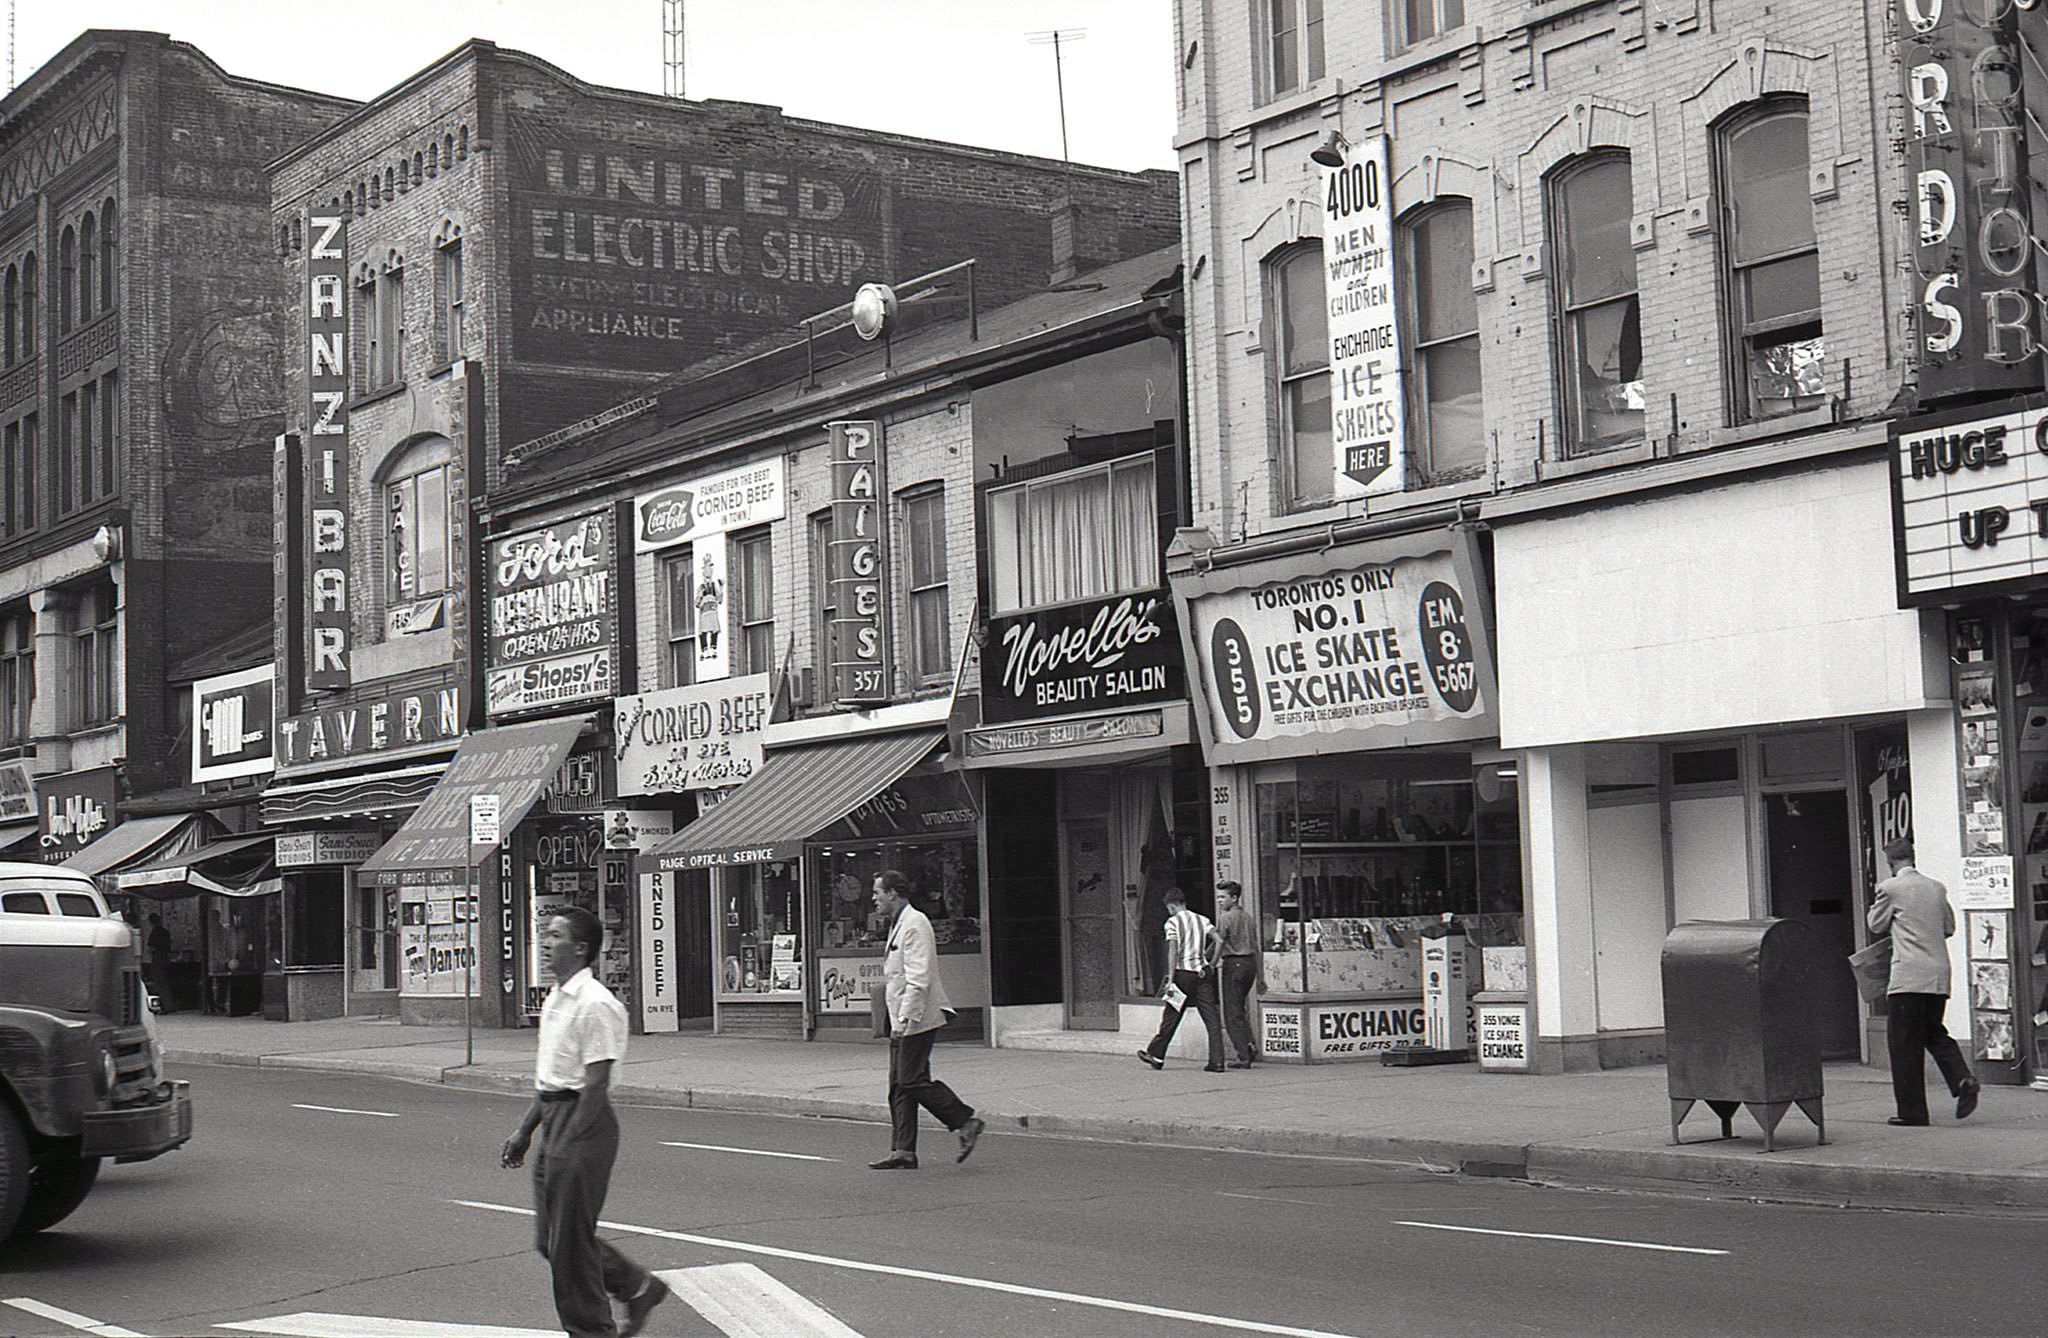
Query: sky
{"type": "Point", "coordinates": [962, 70]}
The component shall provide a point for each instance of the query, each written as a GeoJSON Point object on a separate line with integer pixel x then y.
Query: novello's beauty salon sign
{"type": "Point", "coordinates": [1076, 658]}
{"type": "Point", "coordinates": [1371, 649]}
{"type": "Point", "coordinates": [1970, 503]}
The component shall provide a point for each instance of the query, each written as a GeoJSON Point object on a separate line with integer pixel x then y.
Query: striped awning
{"type": "Point", "coordinates": [235, 866]}
{"type": "Point", "coordinates": [140, 839]}
{"type": "Point", "coordinates": [798, 793]}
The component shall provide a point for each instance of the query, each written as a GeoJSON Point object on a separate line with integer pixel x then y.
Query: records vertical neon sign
{"type": "Point", "coordinates": [328, 621]}
{"type": "Point", "coordinates": [855, 564]}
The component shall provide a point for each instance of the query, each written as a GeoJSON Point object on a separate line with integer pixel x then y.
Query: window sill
{"type": "Point", "coordinates": [95, 729]}
{"type": "Point", "coordinates": [1326, 89]}
{"type": "Point", "coordinates": [1595, 462]}
{"type": "Point", "coordinates": [376, 396]}
{"type": "Point", "coordinates": [1430, 50]}
{"type": "Point", "coordinates": [1784, 425]}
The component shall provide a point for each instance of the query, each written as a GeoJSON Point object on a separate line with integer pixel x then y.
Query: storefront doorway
{"type": "Point", "coordinates": [1812, 880]}
{"type": "Point", "coordinates": [1089, 908]}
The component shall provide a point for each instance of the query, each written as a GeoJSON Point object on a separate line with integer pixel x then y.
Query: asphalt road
{"type": "Point", "coordinates": [389, 1204]}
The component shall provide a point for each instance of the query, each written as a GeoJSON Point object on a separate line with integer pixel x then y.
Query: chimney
{"type": "Point", "coordinates": [1063, 240]}
{"type": "Point", "coordinates": [1083, 239]}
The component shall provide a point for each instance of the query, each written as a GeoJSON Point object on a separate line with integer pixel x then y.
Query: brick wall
{"type": "Point", "coordinates": [1486, 120]}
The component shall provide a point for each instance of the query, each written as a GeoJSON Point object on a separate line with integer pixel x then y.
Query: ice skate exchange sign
{"type": "Point", "coordinates": [1368, 418]}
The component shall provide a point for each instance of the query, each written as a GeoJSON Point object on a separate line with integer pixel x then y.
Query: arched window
{"type": "Point", "coordinates": [1300, 361]}
{"type": "Point", "coordinates": [67, 279]}
{"type": "Point", "coordinates": [88, 258]}
{"type": "Point", "coordinates": [1770, 262]}
{"type": "Point", "coordinates": [110, 256]}
{"type": "Point", "coordinates": [28, 305]}
{"type": "Point", "coordinates": [417, 545]}
{"type": "Point", "coordinates": [1446, 430]}
{"type": "Point", "coordinates": [1593, 279]}
{"type": "Point", "coordinates": [12, 321]}
{"type": "Point", "coordinates": [450, 300]}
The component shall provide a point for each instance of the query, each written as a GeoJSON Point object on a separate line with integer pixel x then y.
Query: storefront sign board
{"type": "Point", "coordinates": [553, 615]}
{"type": "Point", "coordinates": [366, 728]}
{"type": "Point", "coordinates": [1368, 414]}
{"type": "Point", "coordinates": [1387, 650]}
{"type": "Point", "coordinates": [913, 806]}
{"type": "Point", "coordinates": [1063, 733]}
{"type": "Point", "coordinates": [682, 513]}
{"type": "Point", "coordinates": [1970, 503]}
{"type": "Point", "coordinates": [1355, 1030]}
{"type": "Point", "coordinates": [17, 792]}
{"type": "Point", "coordinates": [298, 850]}
{"type": "Point", "coordinates": [330, 612]}
{"type": "Point", "coordinates": [231, 725]}
{"type": "Point", "coordinates": [657, 997]}
{"type": "Point", "coordinates": [856, 564]}
{"type": "Point", "coordinates": [1280, 1031]}
{"type": "Point", "coordinates": [1093, 656]}
{"type": "Point", "coordinates": [845, 983]}
{"type": "Point", "coordinates": [704, 736]}
{"type": "Point", "coordinates": [1503, 1031]}
{"type": "Point", "coordinates": [76, 809]}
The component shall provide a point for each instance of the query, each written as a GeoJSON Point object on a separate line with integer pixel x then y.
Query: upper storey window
{"type": "Point", "coordinates": [1600, 335]}
{"type": "Point", "coordinates": [1289, 39]}
{"type": "Point", "coordinates": [1772, 263]}
{"type": "Point", "coordinates": [1447, 431]}
{"type": "Point", "coordinates": [1301, 377]}
{"type": "Point", "coordinates": [1424, 19]}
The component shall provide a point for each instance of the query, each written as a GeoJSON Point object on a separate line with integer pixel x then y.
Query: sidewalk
{"type": "Point", "coordinates": [1598, 1129]}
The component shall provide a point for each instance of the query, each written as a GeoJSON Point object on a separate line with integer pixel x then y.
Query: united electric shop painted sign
{"type": "Point", "coordinates": [1078, 658]}
{"type": "Point", "coordinates": [554, 615]}
{"type": "Point", "coordinates": [1387, 652]}
{"type": "Point", "coordinates": [855, 564]}
{"type": "Point", "coordinates": [327, 483]}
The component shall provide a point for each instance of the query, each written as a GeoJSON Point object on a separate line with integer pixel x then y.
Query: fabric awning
{"type": "Point", "coordinates": [238, 866]}
{"type": "Point", "coordinates": [140, 839]}
{"type": "Point", "coordinates": [514, 762]}
{"type": "Point", "coordinates": [798, 793]}
{"type": "Point", "coordinates": [351, 795]}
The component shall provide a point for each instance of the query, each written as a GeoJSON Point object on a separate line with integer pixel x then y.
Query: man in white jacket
{"type": "Point", "coordinates": [917, 1009]}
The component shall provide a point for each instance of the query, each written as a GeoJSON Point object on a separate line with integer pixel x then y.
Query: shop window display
{"type": "Point", "coordinates": [944, 885]}
{"type": "Point", "coordinates": [761, 931]}
{"type": "Point", "coordinates": [1355, 860]}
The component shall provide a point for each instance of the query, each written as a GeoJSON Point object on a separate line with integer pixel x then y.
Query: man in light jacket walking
{"type": "Point", "coordinates": [1915, 911]}
{"type": "Point", "coordinates": [918, 1005]}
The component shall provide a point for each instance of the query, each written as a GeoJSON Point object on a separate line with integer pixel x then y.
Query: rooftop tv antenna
{"type": "Point", "coordinates": [671, 48]}
{"type": "Point", "coordinates": [1053, 37]}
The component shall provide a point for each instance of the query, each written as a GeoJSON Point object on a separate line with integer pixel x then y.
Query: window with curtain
{"type": "Point", "coordinates": [1291, 37]}
{"type": "Point", "coordinates": [17, 675]}
{"type": "Point", "coordinates": [753, 573]}
{"type": "Point", "coordinates": [924, 532]}
{"type": "Point", "coordinates": [417, 548]}
{"type": "Point", "coordinates": [1771, 262]}
{"type": "Point", "coordinates": [390, 344]}
{"type": "Point", "coordinates": [95, 656]}
{"type": "Point", "coordinates": [1447, 433]}
{"type": "Point", "coordinates": [679, 620]}
{"type": "Point", "coordinates": [1084, 534]}
{"type": "Point", "coordinates": [1301, 366]}
{"type": "Point", "coordinates": [1592, 202]}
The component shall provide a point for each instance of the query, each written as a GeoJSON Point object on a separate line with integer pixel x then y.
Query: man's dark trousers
{"type": "Point", "coordinates": [1239, 974]}
{"type": "Point", "coordinates": [911, 1085]}
{"type": "Point", "coordinates": [1200, 987]}
{"type": "Point", "coordinates": [1913, 1025]}
{"type": "Point", "coordinates": [570, 1179]}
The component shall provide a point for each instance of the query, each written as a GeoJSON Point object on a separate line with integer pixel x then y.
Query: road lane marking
{"type": "Point", "coordinates": [745, 1302]}
{"type": "Point", "coordinates": [314, 1324]}
{"type": "Point", "coordinates": [70, 1319]}
{"type": "Point", "coordinates": [1268, 1198]}
{"type": "Point", "coordinates": [1575, 1240]}
{"type": "Point", "coordinates": [344, 1110]}
{"type": "Point", "coordinates": [925, 1275]}
{"type": "Point", "coordinates": [748, 1152]}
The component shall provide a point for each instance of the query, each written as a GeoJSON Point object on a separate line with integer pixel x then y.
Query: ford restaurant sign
{"type": "Point", "coordinates": [1079, 658]}
{"type": "Point", "coordinates": [554, 615]}
{"type": "Point", "coordinates": [1387, 649]}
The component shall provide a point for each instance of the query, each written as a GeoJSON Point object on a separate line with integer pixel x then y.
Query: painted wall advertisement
{"type": "Point", "coordinates": [1077, 658]}
{"type": "Point", "coordinates": [231, 726]}
{"type": "Point", "coordinates": [1368, 414]}
{"type": "Point", "coordinates": [553, 615]}
{"type": "Point", "coordinates": [1383, 647]}
{"type": "Point", "coordinates": [701, 513]}
{"type": "Point", "coordinates": [704, 736]}
{"type": "Point", "coordinates": [855, 563]}
{"type": "Point", "coordinates": [644, 258]}
{"type": "Point", "coordinates": [329, 611]}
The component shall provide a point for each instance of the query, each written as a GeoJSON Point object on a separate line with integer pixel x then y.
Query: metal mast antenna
{"type": "Point", "coordinates": [1053, 37]}
{"type": "Point", "coordinates": [672, 48]}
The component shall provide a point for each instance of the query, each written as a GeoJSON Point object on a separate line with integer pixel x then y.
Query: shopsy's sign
{"type": "Point", "coordinates": [1375, 648]}
{"type": "Point", "coordinates": [1368, 415]}
{"type": "Point", "coordinates": [327, 474]}
{"type": "Point", "coordinates": [367, 728]}
{"type": "Point", "coordinates": [752, 494]}
{"type": "Point", "coordinates": [1970, 503]}
{"type": "Point", "coordinates": [1094, 656]}
{"type": "Point", "coordinates": [856, 566]}
{"type": "Point", "coordinates": [75, 810]}
{"type": "Point", "coordinates": [231, 726]}
{"type": "Point", "coordinates": [1980, 261]}
{"type": "Point", "coordinates": [704, 736]}
{"type": "Point", "coordinates": [553, 615]}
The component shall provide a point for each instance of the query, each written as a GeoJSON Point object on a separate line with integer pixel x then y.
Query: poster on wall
{"type": "Point", "coordinates": [700, 737]}
{"type": "Point", "coordinates": [553, 615]}
{"type": "Point", "coordinates": [1390, 648]}
{"type": "Point", "coordinates": [658, 964]}
{"type": "Point", "coordinates": [1093, 656]}
{"type": "Point", "coordinates": [435, 936]}
{"type": "Point", "coordinates": [1368, 411]}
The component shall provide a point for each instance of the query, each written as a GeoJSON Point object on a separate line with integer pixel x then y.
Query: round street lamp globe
{"type": "Point", "coordinates": [874, 305]}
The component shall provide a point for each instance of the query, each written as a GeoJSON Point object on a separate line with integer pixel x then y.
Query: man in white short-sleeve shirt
{"type": "Point", "coordinates": [582, 1034]}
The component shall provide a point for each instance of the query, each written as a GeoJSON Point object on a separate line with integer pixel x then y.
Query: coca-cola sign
{"type": "Point", "coordinates": [1079, 658]}
{"type": "Point", "coordinates": [717, 504]}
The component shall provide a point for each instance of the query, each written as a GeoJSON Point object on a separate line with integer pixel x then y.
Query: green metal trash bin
{"type": "Point", "coordinates": [1742, 1022]}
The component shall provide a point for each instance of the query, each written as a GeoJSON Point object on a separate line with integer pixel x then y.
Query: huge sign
{"type": "Point", "coordinates": [1368, 416]}
{"type": "Point", "coordinates": [76, 809]}
{"type": "Point", "coordinates": [646, 258]}
{"type": "Point", "coordinates": [1970, 503]}
{"type": "Point", "coordinates": [553, 615]}
{"type": "Point", "coordinates": [327, 480]}
{"type": "Point", "coordinates": [1094, 656]}
{"type": "Point", "coordinates": [1979, 263]}
{"type": "Point", "coordinates": [855, 565]}
{"type": "Point", "coordinates": [1385, 652]}
{"type": "Point", "coordinates": [705, 736]}
{"type": "Point", "coordinates": [366, 728]}
{"type": "Point", "coordinates": [231, 726]}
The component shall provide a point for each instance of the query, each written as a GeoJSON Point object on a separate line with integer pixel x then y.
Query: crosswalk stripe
{"type": "Point", "coordinates": [315, 1324]}
{"type": "Point", "coordinates": [749, 1152]}
{"type": "Point", "coordinates": [746, 1302]}
{"type": "Point", "coordinates": [70, 1319]}
{"type": "Point", "coordinates": [344, 1110]}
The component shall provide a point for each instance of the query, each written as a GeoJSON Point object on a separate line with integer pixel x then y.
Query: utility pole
{"type": "Point", "coordinates": [672, 48]}
{"type": "Point", "coordinates": [1053, 37]}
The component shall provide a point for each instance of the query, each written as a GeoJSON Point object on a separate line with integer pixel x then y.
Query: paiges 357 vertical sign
{"type": "Point", "coordinates": [860, 669]}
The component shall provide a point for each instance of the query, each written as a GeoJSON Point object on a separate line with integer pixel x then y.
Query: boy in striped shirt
{"type": "Point", "coordinates": [1191, 949]}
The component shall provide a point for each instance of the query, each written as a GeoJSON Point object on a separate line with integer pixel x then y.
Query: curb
{"type": "Point", "coordinates": [1564, 1166]}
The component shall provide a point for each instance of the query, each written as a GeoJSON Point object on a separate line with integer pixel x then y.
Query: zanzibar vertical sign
{"type": "Point", "coordinates": [860, 672]}
{"type": "Point", "coordinates": [327, 665]}
{"type": "Point", "coordinates": [1980, 317]}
